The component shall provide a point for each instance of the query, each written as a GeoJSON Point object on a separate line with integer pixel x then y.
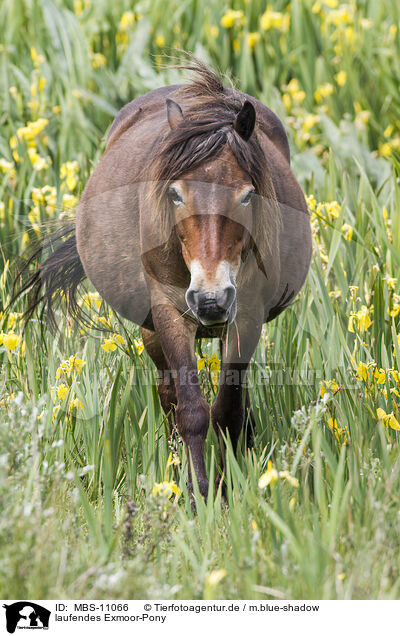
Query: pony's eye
{"type": "Point", "coordinates": [247, 198]}
{"type": "Point", "coordinates": [174, 196]}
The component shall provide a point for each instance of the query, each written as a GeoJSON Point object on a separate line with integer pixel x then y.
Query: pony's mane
{"type": "Point", "coordinates": [207, 128]}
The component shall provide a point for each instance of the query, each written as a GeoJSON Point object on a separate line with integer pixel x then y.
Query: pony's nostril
{"type": "Point", "coordinates": [211, 306]}
{"type": "Point", "coordinates": [227, 297]}
{"type": "Point", "coordinates": [191, 299]}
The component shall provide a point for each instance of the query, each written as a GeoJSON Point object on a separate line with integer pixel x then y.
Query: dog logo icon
{"type": "Point", "coordinates": [26, 615]}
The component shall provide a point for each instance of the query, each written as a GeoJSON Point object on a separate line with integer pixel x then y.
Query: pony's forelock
{"type": "Point", "coordinates": [207, 128]}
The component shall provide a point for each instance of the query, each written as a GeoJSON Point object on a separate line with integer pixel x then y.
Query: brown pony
{"type": "Point", "coordinates": [192, 225]}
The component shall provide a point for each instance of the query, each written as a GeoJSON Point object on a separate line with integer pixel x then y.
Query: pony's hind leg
{"type": "Point", "coordinates": [165, 385]}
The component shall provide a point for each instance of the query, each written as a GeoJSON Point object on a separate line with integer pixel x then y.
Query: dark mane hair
{"type": "Point", "coordinates": [207, 128]}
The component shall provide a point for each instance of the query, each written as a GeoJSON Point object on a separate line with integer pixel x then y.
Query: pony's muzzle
{"type": "Point", "coordinates": [212, 307]}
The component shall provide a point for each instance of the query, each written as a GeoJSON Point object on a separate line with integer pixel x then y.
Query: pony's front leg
{"type": "Point", "coordinates": [192, 413]}
{"type": "Point", "coordinates": [228, 410]}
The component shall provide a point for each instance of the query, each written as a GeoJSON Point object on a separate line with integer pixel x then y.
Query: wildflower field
{"type": "Point", "coordinates": [92, 485]}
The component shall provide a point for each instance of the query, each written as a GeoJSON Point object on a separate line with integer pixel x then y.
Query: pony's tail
{"type": "Point", "coordinates": [55, 280]}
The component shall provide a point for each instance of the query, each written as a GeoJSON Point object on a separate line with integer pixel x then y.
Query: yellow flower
{"type": "Point", "coordinates": [78, 7]}
{"type": "Point", "coordinates": [350, 35]}
{"type": "Point", "coordinates": [311, 202]}
{"type": "Point", "coordinates": [36, 127]}
{"type": "Point", "coordinates": [13, 142]}
{"type": "Point", "coordinates": [98, 60]}
{"type": "Point", "coordinates": [68, 201]}
{"type": "Point", "coordinates": [361, 318]}
{"type": "Point", "coordinates": [323, 91]}
{"type": "Point", "coordinates": [6, 167]}
{"type": "Point", "coordinates": [34, 54]}
{"type": "Point", "coordinates": [173, 460]}
{"type": "Point", "coordinates": [139, 346]}
{"type": "Point", "coordinates": [353, 291]}
{"type": "Point", "coordinates": [10, 340]}
{"type": "Point", "coordinates": [109, 344]}
{"type": "Point", "coordinates": [331, 208]}
{"type": "Point", "coordinates": [341, 434]}
{"type": "Point", "coordinates": [380, 376]}
{"type": "Point", "coordinates": [388, 419]}
{"type": "Point", "coordinates": [328, 385]}
{"type": "Point", "coordinates": [232, 18]}
{"type": "Point", "coordinates": [388, 131]}
{"type": "Point", "coordinates": [342, 15]}
{"type": "Point", "coordinates": [252, 39]}
{"type": "Point", "coordinates": [119, 339]}
{"type": "Point", "coordinates": [270, 476]}
{"type": "Point", "coordinates": [362, 116]}
{"type": "Point", "coordinates": [25, 240]}
{"type": "Point", "coordinates": [309, 122]}
{"type": "Point", "coordinates": [293, 86]}
{"type": "Point", "coordinates": [13, 318]}
{"type": "Point", "coordinates": [347, 231]}
{"type": "Point", "coordinates": [395, 374]}
{"type": "Point", "coordinates": [103, 321]}
{"type": "Point", "coordinates": [341, 78]}
{"type": "Point", "coordinates": [160, 41]}
{"type": "Point", "coordinates": [127, 20]}
{"type": "Point", "coordinates": [362, 371]}
{"type": "Point", "coordinates": [68, 172]}
{"type": "Point", "coordinates": [201, 364]}
{"type": "Point", "coordinates": [91, 299]}
{"type": "Point", "coordinates": [284, 474]}
{"type": "Point", "coordinates": [77, 364]}
{"type": "Point", "coordinates": [274, 20]}
{"type": "Point", "coordinates": [215, 577]}
{"type": "Point", "coordinates": [385, 150]}
{"type": "Point", "coordinates": [66, 367]}
{"type": "Point", "coordinates": [62, 391]}
{"type": "Point", "coordinates": [394, 306]}
{"type": "Point", "coordinates": [38, 162]}
{"type": "Point", "coordinates": [299, 97]}
{"type": "Point", "coordinates": [166, 489]}
{"type": "Point", "coordinates": [76, 404]}
{"type": "Point", "coordinates": [214, 363]}
{"type": "Point", "coordinates": [287, 102]}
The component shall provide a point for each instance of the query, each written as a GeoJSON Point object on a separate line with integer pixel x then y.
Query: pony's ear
{"type": "Point", "coordinates": [174, 114]}
{"type": "Point", "coordinates": [245, 121]}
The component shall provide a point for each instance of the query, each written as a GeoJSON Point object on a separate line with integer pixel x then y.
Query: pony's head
{"type": "Point", "coordinates": [214, 188]}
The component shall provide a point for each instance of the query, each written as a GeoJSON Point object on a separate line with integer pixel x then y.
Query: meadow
{"type": "Point", "coordinates": [92, 485]}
